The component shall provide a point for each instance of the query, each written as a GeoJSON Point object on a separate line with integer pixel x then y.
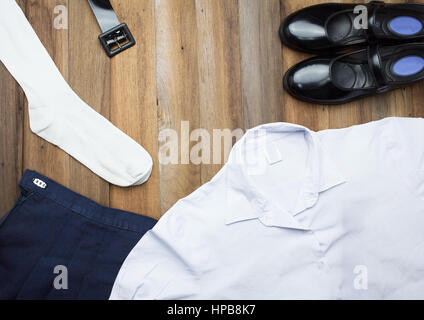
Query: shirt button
{"type": "Point", "coordinates": [321, 264]}
{"type": "Point", "coordinates": [319, 254]}
{"type": "Point", "coordinates": [311, 195]}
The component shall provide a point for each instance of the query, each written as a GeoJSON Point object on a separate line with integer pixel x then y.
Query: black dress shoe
{"type": "Point", "coordinates": [342, 78]}
{"type": "Point", "coordinates": [328, 27]}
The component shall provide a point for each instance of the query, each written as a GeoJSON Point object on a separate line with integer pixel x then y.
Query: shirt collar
{"type": "Point", "coordinates": [247, 202]}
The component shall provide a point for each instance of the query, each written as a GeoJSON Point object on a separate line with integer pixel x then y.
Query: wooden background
{"type": "Point", "coordinates": [216, 63]}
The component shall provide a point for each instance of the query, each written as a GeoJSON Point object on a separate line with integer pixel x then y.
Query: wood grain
{"type": "Point", "coordinates": [11, 137]}
{"type": "Point", "coordinates": [133, 102]}
{"type": "Point", "coordinates": [218, 47]}
{"type": "Point", "coordinates": [208, 64]}
{"type": "Point", "coordinates": [178, 92]}
{"type": "Point", "coordinates": [93, 87]}
{"type": "Point", "coordinates": [11, 144]}
{"type": "Point", "coordinates": [261, 62]}
{"type": "Point", "coordinates": [38, 154]}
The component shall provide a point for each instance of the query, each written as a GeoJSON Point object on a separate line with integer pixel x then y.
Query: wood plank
{"type": "Point", "coordinates": [261, 62]}
{"type": "Point", "coordinates": [219, 76]}
{"type": "Point", "coordinates": [40, 155]}
{"type": "Point", "coordinates": [11, 138]}
{"type": "Point", "coordinates": [89, 76]}
{"type": "Point", "coordinates": [134, 102]}
{"type": "Point", "coordinates": [178, 92]}
{"type": "Point", "coordinates": [11, 124]}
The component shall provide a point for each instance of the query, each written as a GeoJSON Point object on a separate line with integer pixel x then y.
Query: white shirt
{"type": "Point", "coordinates": [336, 214]}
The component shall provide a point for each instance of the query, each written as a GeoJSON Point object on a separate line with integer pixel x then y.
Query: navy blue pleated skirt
{"type": "Point", "coordinates": [56, 244]}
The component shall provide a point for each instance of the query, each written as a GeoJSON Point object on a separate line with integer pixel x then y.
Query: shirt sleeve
{"type": "Point", "coordinates": [168, 260]}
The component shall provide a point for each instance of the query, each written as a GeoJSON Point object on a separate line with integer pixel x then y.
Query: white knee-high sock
{"type": "Point", "coordinates": [56, 112]}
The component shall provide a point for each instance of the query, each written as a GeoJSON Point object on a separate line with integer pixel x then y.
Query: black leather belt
{"type": "Point", "coordinates": [115, 37]}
